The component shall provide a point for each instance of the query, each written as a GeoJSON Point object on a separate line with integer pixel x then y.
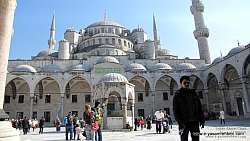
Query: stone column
{"type": "Point", "coordinates": [153, 101]}
{"type": "Point", "coordinates": [31, 106]}
{"type": "Point", "coordinates": [7, 10]}
{"type": "Point", "coordinates": [125, 113]}
{"type": "Point", "coordinates": [222, 93]}
{"type": "Point", "coordinates": [206, 98]}
{"type": "Point", "coordinates": [105, 115]}
{"type": "Point", "coordinates": [246, 105]}
{"type": "Point", "coordinates": [133, 114]}
{"type": "Point", "coordinates": [62, 107]}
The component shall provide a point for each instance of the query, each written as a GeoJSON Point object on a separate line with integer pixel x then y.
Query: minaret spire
{"type": "Point", "coordinates": [52, 40]}
{"type": "Point", "coordinates": [201, 32]}
{"type": "Point", "coordinates": [105, 15]}
{"type": "Point", "coordinates": [156, 41]}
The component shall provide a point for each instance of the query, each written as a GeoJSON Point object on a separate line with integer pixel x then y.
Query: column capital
{"type": "Point", "coordinates": [7, 4]}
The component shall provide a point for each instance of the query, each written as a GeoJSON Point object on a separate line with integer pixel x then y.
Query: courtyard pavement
{"type": "Point", "coordinates": [234, 130]}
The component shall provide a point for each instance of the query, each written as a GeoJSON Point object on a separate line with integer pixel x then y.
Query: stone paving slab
{"type": "Point", "coordinates": [213, 132]}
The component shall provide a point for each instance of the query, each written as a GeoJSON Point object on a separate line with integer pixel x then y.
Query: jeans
{"type": "Point", "coordinates": [69, 129]}
{"type": "Point", "coordinates": [90, 135]}
{"type": "Point", "coordinates": [98, 134]}
{"type": "Point", "coordinates": [193, 128]}
{"type": "Point", "coordinates": [158, 126]}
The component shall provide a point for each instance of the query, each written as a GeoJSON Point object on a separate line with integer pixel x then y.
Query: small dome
{"type": "Point", "coordinates": [43, 53]}
{"type": "Point", "coordinates": [52, 68]}
{"type": "Point", "coordinates": [105, 23]}
{"type": "Point", "coordinates": [137, 67]}
{"type": "Point", "coordinates": [185, 66]}
{"type": "Point", "coordinates": [235, 50]}
{"type": "Point", "coordinates": [217, 60]}
{"type": "Point", "coordinates": [107, 59]}
{"type": "Point", "coordinates": [162, 66]}
{"type": "Point", "coordinates": [105, 35]}
{"type": "Point", "coordinates": [113, 77]}
{"type": "Point", "coordinates": [25, 68]}
{"type": "Point", "coordinates": [81, 67]}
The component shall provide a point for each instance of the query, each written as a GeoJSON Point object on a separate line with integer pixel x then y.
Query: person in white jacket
{"type": "Point", "coordinates": [222, 117]}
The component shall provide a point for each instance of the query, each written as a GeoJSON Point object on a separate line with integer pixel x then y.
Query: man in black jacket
{"type": "Point", "coordinates": [188, 111]}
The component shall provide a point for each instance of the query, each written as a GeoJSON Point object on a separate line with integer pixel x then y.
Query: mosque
{"type": "Point", "coordinates": [128, 73]}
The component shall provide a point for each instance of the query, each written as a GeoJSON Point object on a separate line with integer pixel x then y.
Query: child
{"type": "Point", "coordinates": [78, 132]}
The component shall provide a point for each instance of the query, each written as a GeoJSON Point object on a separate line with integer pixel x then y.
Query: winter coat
{"type": "Point", "coordinates": [180, 106]}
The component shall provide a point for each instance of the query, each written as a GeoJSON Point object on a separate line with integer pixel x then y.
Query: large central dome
{"type": "Point", "coordinates": [105, 23]}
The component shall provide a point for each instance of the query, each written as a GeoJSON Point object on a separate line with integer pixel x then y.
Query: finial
{"type": "Point", "coordinates": [238, 43]}
{"type": "Point", "coordinates": [220, 54]}
{"type": "Point", "coordinates": [105, 15]}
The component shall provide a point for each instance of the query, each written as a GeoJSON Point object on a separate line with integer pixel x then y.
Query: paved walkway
{"type": "Point", "coordinates": [212, 132]}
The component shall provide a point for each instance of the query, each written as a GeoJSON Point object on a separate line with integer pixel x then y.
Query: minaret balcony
{"type": "Point", "coordinates": [201, 32]}
{"type": "Point", "coordinates": [197, 7]}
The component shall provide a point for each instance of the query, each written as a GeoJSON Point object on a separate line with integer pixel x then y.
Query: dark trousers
{"type": "Point", "coordinates": [74, 131]}
{"type": "Point", "coordinates": [193, 128]}
{"type": "Point", "coordinates": [25, 130]}
{"type": "Point", "coordinates": [222, 120]}
{"type": "Point", "coordinates": [158, 126]}
{"type": "Point", "coordinates": [98, 134]}
{"type": "Point", "coordinates": [41, 130]}
{"type": "Point", "coordinates": [69, 130]}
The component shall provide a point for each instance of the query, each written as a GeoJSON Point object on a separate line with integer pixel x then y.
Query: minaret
{"type": "Point", "coordinates": [156, 41]}
{"type": "Point", "coordinates": [201, 32]}
{"type": "Point", "coordinates": [52, 40]}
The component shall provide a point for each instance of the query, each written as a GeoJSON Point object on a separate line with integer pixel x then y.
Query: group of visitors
{"type": "Point", "coordinates": [88, 128]}
{"type": "Point", "coordinates": [25, 124]}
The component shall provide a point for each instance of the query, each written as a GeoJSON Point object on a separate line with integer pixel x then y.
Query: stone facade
{"type": "Point", "coordinates": [54, 83]}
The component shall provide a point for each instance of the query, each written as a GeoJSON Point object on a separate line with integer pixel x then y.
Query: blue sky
{"type": "Point", "coordinates": [227, 20]}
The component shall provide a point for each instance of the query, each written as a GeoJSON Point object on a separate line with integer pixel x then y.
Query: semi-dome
{"type": "Point", "coordinates": [105, 35]}
{"type": "Point", "coordinates": [52, 68]}
{"type": "Point", "coordinates": [25, 68]}
{"type": "Point", "coordinates": [217, 60]}
{"type": "Point", "coordinates": [137, 67]}
{"type": "Point", "coordinates": [107, 59]}
{"type": "Point", "coordinates": [235, 50]}
{"type": "Point", "coordinates": [105, 23]}
{"type": "Point", "coordinates": [81, 67]}
{"type": "Point", "coordinates": [185, 66]}
{"type": "Point", "coordinates": [113, 77]}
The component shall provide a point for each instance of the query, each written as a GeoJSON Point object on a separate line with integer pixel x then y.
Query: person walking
{"type": "Point", "coordinates": [89, 118]}
{"type": "Point", "coordinates": [68, 121]}
{"type": "Point", "coordinates": [222, 117]}
{"type": "Point", "coordinates": [148, 122]}
{"type": "Point", "coordinates": [25, 124]}
{"type": "Point", "coordinates": [188, 111]}
{"type": "Point", "coordinates": [159, 115]}
{"type": "Point", "coordinates": [58, 124]}
{"type": "Point", "coordinates": [98, 119]}
{"type": "Point", "coordinates": [41, 125]}
{"type": "Point", "coordinates": [141, 122]}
